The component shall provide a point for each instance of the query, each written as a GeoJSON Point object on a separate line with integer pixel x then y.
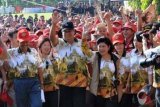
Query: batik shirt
{"type": "Point", "coordinates": [72, 64]}
{"type": "Point", "coordinates": [106, 87]}
{"type": "Point", "coordinates": [124, 71]}
{"type": "Point", "coordinates": [139, 75]}
{"type": "Point", "coordinates": [50, 69]}
{"type": "Point", "coordinates": [23, 65]}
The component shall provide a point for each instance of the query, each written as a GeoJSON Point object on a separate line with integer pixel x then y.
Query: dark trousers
{"type": "Point", "coordinates": [28, 92]}
{"type": "Point", "coordinates": [126, 100]}
{"type": "Point", "coordinates": [98, 101]}
{"type": "Point", "coordinates": [51, 98]}
{"type": "Point", "coordinates": [72, 96]}
{"type": "Point", "coordinates": [129, 100]}
{"type": "Point", "coordinates": [157, 97]}
{"type": "Point", "coordinates": [2, 104]}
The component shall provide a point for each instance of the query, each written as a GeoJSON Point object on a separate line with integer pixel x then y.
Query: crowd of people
{"type": "Point", "coordinates": [105, 60]}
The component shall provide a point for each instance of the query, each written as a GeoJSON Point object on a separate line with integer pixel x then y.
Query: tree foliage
{"type": "Point", "coordinates": [135, 4]}
{"type": "Point", "coordinates": [143, 4]}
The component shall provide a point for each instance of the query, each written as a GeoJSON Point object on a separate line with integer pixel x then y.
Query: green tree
{"type": "Point", "coordinates": [143, 4]}
{"type": "Point", "coordinates": [135, 4]}
{"type": "Point", "coordinates": [157, 6]}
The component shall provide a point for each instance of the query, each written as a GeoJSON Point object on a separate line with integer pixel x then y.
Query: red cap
{"type": "Point", "coordinates": [78, 36]}
{"type": "Point", "coordinates": [79, 29]}
{"type": "Point", "coordinates": [33, 41]}
{"type": "Point", "coordinates": [33, 37]}
{"type": "Point", "coordinates": [118, 21]}
{"type": "Point", "coordinates": [117, 38]}
{"type": "Point", "coordinates": [129, 25]}
{"type": "Point", "coordinates": [23, 35]}
{"type": "Point", "coordinates": [39, 32]}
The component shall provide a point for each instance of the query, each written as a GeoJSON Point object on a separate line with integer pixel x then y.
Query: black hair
{"type": "Point", "coordinates": [108, 42]}
{"type": "Point", "coordinates": [138, 36]}
{"type": "Point", "coordinates": [10, 34]}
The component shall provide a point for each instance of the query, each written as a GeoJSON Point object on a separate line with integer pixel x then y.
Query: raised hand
{"type": "Point", "coordinates": [55, 17]}
{"type": "Point", "coordinates": [121, 9]}
{"type": "Point", "coordinates": [138, 12]}
{"type": "Point", "coordinates": [87, 28]}
{"type": "Point", "coordinates": [107, 15]}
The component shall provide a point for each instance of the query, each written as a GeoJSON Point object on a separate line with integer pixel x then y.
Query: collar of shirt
{"type": "Point", "coordinates": [20, 51]}
{"type": "Point", "coordinates": [75, 40]}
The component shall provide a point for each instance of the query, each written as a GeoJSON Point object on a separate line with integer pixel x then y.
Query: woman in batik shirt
{"type": "Point", "coordinates": [50, 69]}
{"type": "Point", "coordinates": [139, 75]}
{"type": "Point", "coordinates": [103, 83]}
{"type": "Point", "coordinates": [123, 70]}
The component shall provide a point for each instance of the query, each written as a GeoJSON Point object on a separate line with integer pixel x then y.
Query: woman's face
{"type": "Point", "coordinates": [45, 48]}
{"type": "Point", "coordinates": [119, 47]}
{"type": "Point", "coordinates": [103, 48]}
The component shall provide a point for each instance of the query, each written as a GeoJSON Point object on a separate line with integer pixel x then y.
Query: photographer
{"type": "Point", "coordinates": [139, 76]}
{"type": "Point", "coordinates": [153, 59]}
{"type": "Point", "coordinates": [151, 38]}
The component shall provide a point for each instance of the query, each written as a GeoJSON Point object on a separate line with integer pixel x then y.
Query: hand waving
{"type": "Point", "coordinates": [55, 17]}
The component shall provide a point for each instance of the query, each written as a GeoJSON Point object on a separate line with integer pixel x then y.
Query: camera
{"type": "Point", "coordinates": [146, 35]}
{"type": "Point", "coordinates": [153, 61]}
{"type": "Point", "coordinates": [155, 28]}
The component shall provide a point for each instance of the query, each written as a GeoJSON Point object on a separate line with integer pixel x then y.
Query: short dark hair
{"type": "Point", "coordinates": [67, 25]}
{"type": "Point", "coordinates": [11, 33]}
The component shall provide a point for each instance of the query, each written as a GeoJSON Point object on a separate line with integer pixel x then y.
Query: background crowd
{"type": "Point", "coordinates": [86, 57]}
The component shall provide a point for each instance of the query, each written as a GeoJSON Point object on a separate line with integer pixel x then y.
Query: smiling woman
{"type": "Point", "coordinates": [49, 71]}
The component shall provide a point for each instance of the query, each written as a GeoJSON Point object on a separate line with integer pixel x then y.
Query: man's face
{"type": "Point", "coordinates": [68, 34]}
{"type": "Point", "coordinates": [127, 32]}
{"type": "Point", "coordinates": [24, 46]}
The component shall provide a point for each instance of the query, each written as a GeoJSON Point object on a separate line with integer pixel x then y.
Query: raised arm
{"type": "Point", "coordinates": [139, 20]}
{"type": "Point", "coordinates": [107, 17]}
{"type": "Point", "coordinates": [84, 46]}
{"type": "Point", "coordinates": [55, 20]}
{"type": "Point", "coordinates": [3, 51]}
